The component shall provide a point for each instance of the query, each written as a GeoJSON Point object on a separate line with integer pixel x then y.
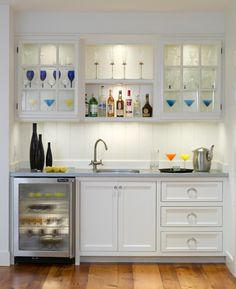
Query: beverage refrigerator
{"type": "Point", "coordinates": [43, 218]}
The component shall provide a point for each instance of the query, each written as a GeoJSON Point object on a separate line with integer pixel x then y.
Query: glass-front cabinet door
{"type": "Point", "coordinates": [47, 80]}
{"type": "Point", "coordinates": [191, 80]}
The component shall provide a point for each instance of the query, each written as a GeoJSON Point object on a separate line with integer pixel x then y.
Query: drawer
{"type": "Point", "coordinates": [191, 242]}
{"type": "Point", "coordinates": [191, 191]}
{"type": "Point", "coordinates": [191, 216]}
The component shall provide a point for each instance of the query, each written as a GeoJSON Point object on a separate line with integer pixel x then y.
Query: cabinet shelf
{"type": "Point", "coordinates": [119, 81]}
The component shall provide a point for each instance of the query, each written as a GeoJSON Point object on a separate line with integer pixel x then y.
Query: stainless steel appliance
{"type": "Point", "coordinates": [202, 159]}
{"type": "Point", "coordinates": [43, 217]}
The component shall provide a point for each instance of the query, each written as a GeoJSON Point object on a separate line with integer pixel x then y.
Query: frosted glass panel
{"type": "Point", "coordinates": [30, 54]}
{"type": "Point", "coordinates": [191, 55]}
{"type": "Point", "coordinates": [208, 78]}
{"type": "Point", "coordinates": [48, 54]}
{"type": "Point", "coordinates": [172, 55]}
{"type": "Point", "coordinates": [209, 55]}
{"type": "Point", "coordinates": [66, 100]}
{"type": "Point", "coordinates": [172, 79]}
{"type": "Point", "coordinates": [30, 100]}
{"type": "Point", "coordinates": [66, 54]}
{"type": "Point", "coordinates": [190, 78]}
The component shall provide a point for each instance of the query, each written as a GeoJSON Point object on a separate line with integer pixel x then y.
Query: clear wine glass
{"type": "Point", "coordinates": [170, 157]}
{"type": "Point", "coordinates": [43, 75]}
{"type": "Point", "coordinates": [30, 76]}
{"type": "Point", "coordinates": [71, 76]}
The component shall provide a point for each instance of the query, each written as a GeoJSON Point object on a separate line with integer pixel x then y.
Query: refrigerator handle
{"type": "Point", "coordinates": [72, 206]}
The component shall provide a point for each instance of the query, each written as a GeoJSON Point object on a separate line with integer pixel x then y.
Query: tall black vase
{"type": "Point", "coordinates": [40, 155]}
{"type": "Point", "coordinates": [33, 148]}
{"type": "Point", "coordinates": [49, 156]}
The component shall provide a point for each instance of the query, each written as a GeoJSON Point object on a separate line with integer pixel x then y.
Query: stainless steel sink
{"type": "Point", "coordinates": [121, 171]}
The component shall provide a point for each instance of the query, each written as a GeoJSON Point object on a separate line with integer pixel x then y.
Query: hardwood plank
{"type": "Point", "coordinates": [169, 276]}
{"type": "Point", "coordinates": [191, 277]}
{"type": "Point", "coordinates": [125, 276]}
{"type": "Point", "coordinates": [219, 276]}
{"type": "Point", "coordinates": [147, 276]}
{"type": "Point", "coordinates": [79, 277]}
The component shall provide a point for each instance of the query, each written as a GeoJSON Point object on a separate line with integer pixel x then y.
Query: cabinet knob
{"type": "Point", "coordinates": [120, 187]}
{"type": "Point", "coordinates": [115, 187]}
{"type": "Point", "coordinates": [192, 193]}
{"type": "Point", "coordinates": [192, 243]}
{"type": "Point", "coordinates": [192, 218]}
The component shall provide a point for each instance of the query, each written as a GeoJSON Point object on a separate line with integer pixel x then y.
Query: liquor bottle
{"type": "Point", "coordinates": [120, 105]}
{"type": "Point", "coordinates": [33, 148]}
{"type": "Point", "coordinates": [40, 155]}
{"type": "Point", "coordinates": [110, 105]}
{"type": "Point", "coordinates": [147, 109]}
{"type": "Point", "coordinates": [102, 104]}
{"type": "Point", "coordinates": [86, 106]}
{"type": "Point", "coordinates": [137, 106]}
{"type": "Point", "coordinates": [49, 156]}
{"type": "Point", "coordinates": [129, 108]}
{"type": "Point", "coordinates": [93, 106]}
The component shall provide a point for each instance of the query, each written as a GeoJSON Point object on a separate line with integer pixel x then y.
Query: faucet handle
{"type": "Point", "coordinates": [101, 163]}
{"type": "Point", "coordinates": [91, 163]}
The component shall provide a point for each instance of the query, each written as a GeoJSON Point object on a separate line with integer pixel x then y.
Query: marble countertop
{"type": "Point", "coordinates": [76, 172]}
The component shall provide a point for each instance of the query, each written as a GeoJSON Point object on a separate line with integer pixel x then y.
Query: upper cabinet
{"type": "Point", "coordinates": [191, 80]}
{"type": "Point", "coordinates": [118, 78]}
{"type": "Point", "coordinates": [47, 80]}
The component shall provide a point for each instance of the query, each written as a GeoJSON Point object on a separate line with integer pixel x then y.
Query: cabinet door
{"type": "Point", "coordinates": [98, 216]}
{"type": "Point", "coordinates": [137, 216]}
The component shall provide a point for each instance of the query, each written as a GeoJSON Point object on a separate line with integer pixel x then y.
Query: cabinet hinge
{"type": "Point", "coordinates": [16, 106]}
{"type": "Point", "coordinates": [221, 106]}
{"type": "Point", "coordinates": [221, 50]}
{"type": "Point", "coordinates": [17, 49]}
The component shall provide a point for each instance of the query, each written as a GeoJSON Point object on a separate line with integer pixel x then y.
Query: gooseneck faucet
{"type": "Point", "coordinates": [95, 162]}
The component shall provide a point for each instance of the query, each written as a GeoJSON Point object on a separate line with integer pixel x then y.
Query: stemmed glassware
{"type": "Point", "coordinates": [207, 103]}
{"type": "Point", "coordinates": [71, 76]}
{"type": "Point", "coordinates": [30, 76]}
{"type": "Point", "coordinates": [184, 157]}
{"type": "Point", "coordinates": [112, 62]}
{"type": "Point", "coordinates": [43, 75]}
{"type": "Point", "coordinates": [55, 74]}
{"type": "Point", "coordinates": [96, 63]}
{"type": "Point", "coordinates": [141, 63]}
{"type": "Point", "coordinates": [170, 157]}
{"type": "Point", "coordinates": [171, 103]}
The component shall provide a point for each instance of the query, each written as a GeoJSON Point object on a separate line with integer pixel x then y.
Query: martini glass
{"type": "Point", "coordinates": [71, 76]}
{"type": "Point", "coordinates": [43, 75]}
{"type": "Point", "coordinates": [207, 103]}
{"type": "Point", "coordinates": [30, 76]}
{"type": "Point", "coordinates": [189, 102]}
{"type": "Point", "coordinates": [184, 157]}
{"type": "Point", "coordinates": [170, 157]}
{"type": "Point", "coordinates": [171, 103]}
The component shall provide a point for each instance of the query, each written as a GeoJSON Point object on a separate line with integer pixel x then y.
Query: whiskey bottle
{"type": "Point", "coordinates": [120, 105]}
{"type": "Point", "coordinates": [102, 104]}
{"type": "Point", "coordinates": [110, 105]}
{"type": "Point", "coordinates": [147, 109]}
{"type": "Point", "coordinates": [129, 108]}
{"type": "Point", "coordinates": [93, 106]}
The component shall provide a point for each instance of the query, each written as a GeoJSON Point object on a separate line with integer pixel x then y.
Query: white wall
{"type": "Point", "coordinates": [5, 95]}
{"type": "Point", "coordinates": [229, 131]}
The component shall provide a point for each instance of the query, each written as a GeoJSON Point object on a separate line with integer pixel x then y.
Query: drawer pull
{"type": "Point", "coordinates": [192, 193]}
{"type": "Point", "coordinates": [192, 218]}
{"type": "Point", "coordinates": [192, 243]}
{"type": "Point", "coordinates": [120, 187]}
{"type": "Point", "coordinates": [115, 187]}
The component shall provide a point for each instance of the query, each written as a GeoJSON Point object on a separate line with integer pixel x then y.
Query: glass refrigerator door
{"type": "Point", "coordinates": [44, 217]}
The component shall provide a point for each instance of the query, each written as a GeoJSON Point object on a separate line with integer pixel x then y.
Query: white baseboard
{"type": "Point", "coordinates": [230, 263]}
{"type": "Point", "coordinates": [4, 258]}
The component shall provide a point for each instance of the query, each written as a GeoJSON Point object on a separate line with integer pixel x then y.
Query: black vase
{"type": "Point", "coordinates": [49, 156]}
{"type": "Point", "coordinates": [40, 155]}
{"type": "Point", "coordinates": [33, 148]}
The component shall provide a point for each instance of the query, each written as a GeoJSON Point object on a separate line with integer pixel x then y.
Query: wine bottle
{"type": "Point", "coordinates": [129, 108]}
{"type": "Point", "coordinates": [86, 106]}
{"type": "Point", "coordinates": [147, 109]}
{"type": "Point", "coordinates": [110, 105]}
{"type": "Point", "coordinates": [40, 155]}
{"type": "Point", "coordinates": [49, 156]}
{"type": "Point", "coordinates": [102, 104]}
{"type": "Point", "coordinates": [33, 148]}
{"type": "Point", "coordinates": [93, 106]}
{"type": "Point", "coordinates": [120, 105]}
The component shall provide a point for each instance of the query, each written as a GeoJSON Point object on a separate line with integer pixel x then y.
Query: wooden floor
{"type": "Point", "coordinates": [112, 276]}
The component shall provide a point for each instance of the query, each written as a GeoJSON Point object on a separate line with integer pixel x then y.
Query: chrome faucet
{"type": "Point", "coordinates": [95, 162]}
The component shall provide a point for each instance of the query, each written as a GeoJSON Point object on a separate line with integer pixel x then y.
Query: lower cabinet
{"type": "Point", "coordinates": [117, 216]}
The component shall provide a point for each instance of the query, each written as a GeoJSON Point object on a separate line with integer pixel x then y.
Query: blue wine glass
{"type": "Point", "coordinates": [189, 102]}
{"type": "Point", "coordinates": [71, 76]}
{"type": "Point", "coordinates": [43, 75]}
{"type": "Point", "coordinates": [55, 74]}
{"type": "Point", "coordinates": [30, 76]}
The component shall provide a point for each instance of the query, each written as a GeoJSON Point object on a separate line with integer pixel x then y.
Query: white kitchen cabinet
{"type": "Point", "coordinates": [191, 79]}
{"type": "Point", "coordinates": [191, 217]}
{"type": "Point", "coordinates": [47, 82]}
{"type": "Point", "coordinates": [117, 216]}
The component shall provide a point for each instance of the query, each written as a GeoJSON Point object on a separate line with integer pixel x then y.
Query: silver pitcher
{"type": "Point", "coordinates": [202, 159]}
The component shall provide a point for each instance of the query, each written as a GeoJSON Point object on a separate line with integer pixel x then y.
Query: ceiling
{"type": "Point", "coordinates": [118, 5]}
